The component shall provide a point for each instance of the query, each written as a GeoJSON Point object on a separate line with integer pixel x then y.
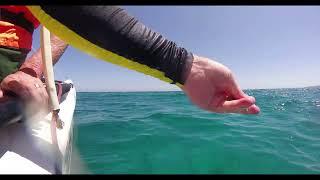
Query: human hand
{"type": "Point", "coordinates": [29, 89]}
{"type": "Point", "coordinates": [212, 86]}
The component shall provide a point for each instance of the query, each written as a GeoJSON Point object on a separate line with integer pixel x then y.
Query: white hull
{"type": "Point", "coordinates": [26, 148]}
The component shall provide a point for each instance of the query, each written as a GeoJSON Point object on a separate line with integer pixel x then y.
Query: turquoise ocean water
{"type": "Point", "coordinates": [163, 133]}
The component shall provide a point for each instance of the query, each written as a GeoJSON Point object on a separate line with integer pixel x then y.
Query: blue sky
{"type": "Point", "coordinates": [264, 46]}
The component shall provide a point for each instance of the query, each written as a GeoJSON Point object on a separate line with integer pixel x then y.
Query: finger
{"type": "Point", "coordinates": [37, 93]}
{"type": "Point", "coordinates": [3, 98]}
{"type": "Point", "coordinates": [230, 98]}
{"type": "Point", "coordinates": [11, 84]}
{"type": "Point", "coordinates": [254, 109]}
{"type": "Point", "coordinates": [236, 90]}
{"type": "Point", "coordinates": [26, 91]}
{"type": "Point", "coordinates": [38, 101]}
{"type": "Point", "coordinates": [40, 94]}
{"type": "Point", "coordinates": [234, 105]}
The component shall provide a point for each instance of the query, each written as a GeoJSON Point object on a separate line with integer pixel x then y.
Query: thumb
{"type": "Point", "coordinates": [12, 84]}
{"type": "Point", "coordinates": [2, 96]}
{"type": "Point", "coordinates": [237, 92]}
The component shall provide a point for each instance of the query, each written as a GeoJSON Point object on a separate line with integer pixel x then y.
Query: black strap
{"type": "Point", "coordinates": [16, 19]}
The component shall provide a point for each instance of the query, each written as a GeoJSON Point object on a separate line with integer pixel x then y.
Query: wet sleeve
{"type": "Point", "coordinates": [111, 34]}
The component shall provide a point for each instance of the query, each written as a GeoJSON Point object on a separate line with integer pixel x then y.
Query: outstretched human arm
{"type": "Point", "coordinates": [33, 65]}
{"type": "Point", "coordinates": [110, 34]}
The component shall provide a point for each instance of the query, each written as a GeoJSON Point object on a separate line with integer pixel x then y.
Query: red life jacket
{"type": "Point", "coordinates": [16, 27]}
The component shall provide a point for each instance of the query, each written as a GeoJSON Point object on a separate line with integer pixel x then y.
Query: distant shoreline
{"type": "Point", "coordinates": [125, 91]}
{"type": "Point", "coordinates": [152, 91]}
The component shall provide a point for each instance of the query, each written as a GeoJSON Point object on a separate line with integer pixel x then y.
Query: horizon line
{"type": "Point", "coordinates": [112, 91]}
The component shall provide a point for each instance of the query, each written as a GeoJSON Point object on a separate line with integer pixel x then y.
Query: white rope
{"type": "Point", "coordinates": [52, 92]}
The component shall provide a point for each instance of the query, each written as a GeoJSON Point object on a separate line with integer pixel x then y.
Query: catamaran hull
{"type": "Point", "coordinates": [27, 148]}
